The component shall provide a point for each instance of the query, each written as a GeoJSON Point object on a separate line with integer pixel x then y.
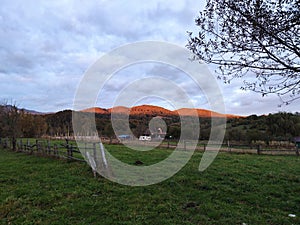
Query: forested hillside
{"type": "Point", "coordinates": [281, 126]}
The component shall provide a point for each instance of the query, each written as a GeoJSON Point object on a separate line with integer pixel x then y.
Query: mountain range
{"type": "Point", "coordinates": [158, 111]}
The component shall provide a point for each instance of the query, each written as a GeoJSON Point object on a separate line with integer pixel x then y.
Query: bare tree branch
{"type": "Point", "coordinates": [245, 37]}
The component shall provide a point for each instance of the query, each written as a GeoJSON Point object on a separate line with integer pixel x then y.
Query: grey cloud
{"type": "Point", "coordinates": [53, 42]}
{"type": "Point", "coordinates": [179, 12]}
{"type": "Point", "coordinates": [45, 47]}
{"type": "Point", "coordinates": [152, 86]}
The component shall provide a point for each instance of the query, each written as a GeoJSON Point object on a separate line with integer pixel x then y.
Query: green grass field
{"type": "Point", "coordinates": [235, 189]}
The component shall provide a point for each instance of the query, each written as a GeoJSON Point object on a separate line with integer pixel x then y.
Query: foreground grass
{"type": "Point", "coordinates": [235, 189]}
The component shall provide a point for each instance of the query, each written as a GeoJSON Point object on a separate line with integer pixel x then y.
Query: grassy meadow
{"type": "Point", "coordinates": [235, 189]}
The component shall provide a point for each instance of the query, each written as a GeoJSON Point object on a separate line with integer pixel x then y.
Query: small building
{"type": "Point", "coordinates": [124, 137]}
{"type": "Point", "coordinates": [297, 141]}
{"type": "Point", "coordinates": [145, 138]}
{"type": "Point", "coordinates": [156, 135]}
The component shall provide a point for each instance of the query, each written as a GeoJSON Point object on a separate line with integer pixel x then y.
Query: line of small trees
{"type": "Point", "coordinates": [16, 123]}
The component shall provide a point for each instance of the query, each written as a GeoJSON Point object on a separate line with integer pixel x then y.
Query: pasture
{"type": "Point", "coordinates": [235, 189]}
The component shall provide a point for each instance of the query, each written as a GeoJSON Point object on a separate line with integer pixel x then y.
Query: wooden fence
{"type": "Point", "coordinates": [249, 149]}
{"type": "Point", "coordinates": [65, 150]}
{"type": "Point", "coordinates": [69, 149]}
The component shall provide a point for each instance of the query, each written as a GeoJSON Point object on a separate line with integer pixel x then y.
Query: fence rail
{"type": "Point", "coordinates": [249, 149]}
{"type": "Point", "coordinates": [65, 150]}
{"type": "Point", "coordinates": [69, 149]}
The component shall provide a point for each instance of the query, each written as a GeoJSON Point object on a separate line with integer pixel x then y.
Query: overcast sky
{"type": "Point", "coordinates": [46, 47]}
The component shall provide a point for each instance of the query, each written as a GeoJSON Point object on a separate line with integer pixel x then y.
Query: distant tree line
{"type": "Point", "coordinates": [15, 123]}
{"type": "Point", "coordinates": [281, 126]}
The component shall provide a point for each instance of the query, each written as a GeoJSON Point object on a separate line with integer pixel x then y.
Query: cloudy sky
{"type": "Point", "coordinates": [47, 46]}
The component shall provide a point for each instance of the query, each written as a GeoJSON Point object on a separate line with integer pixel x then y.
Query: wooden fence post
{"type": "Point", "coordinates": [27, 145]}
{"type": "Point", "coordinates": [297, 150]}
{"type": "Point", "coordinates": [9, 146]}
{"type": "Point", "coordinates": [48, 147]}
{"type": "Point", "coordinates": [258, 149]}
{"type": "Point", "coordinates": [204, 146]}
{"type": "Point", "coordinates": [68, 148]}
{"type": "Point", "coordinates": [43, 148]}
{"type": "Point", "coordinates": [37, 145]}
{"type": "Point", "coordinates": [228, 146]}
{"type": "Point", "coordinates": [55, 150]}
{"type": "Point", "coordinates": [20, 147]}
{"type": "Point", "coordinates": [71, 150]}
